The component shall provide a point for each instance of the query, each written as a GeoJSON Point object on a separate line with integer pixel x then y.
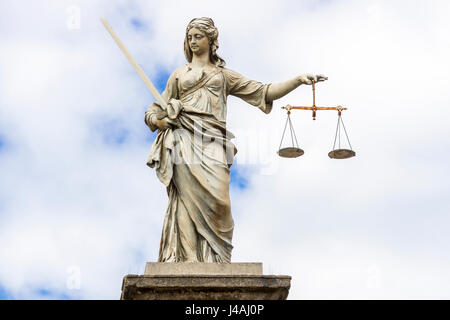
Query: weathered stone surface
{"type": "Point", "coordinates": [205, 281]}
{"type": "Point", "coordinates": [199, 268]}
{"type": "Point", "coordinates": [205, 287]}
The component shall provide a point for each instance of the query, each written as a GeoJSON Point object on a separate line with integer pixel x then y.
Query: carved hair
{"type": "Point", "coordinates": [205, 25]}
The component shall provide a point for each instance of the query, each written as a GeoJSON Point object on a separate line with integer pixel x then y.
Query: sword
{"type": "Point", "coordinates": [138, 69]}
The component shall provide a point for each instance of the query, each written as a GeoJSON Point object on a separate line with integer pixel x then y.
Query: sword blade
{"type": "Point", "coordinates": [138, 69]}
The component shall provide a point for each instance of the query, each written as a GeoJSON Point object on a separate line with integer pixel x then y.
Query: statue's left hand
{"type": "Point", "coordinates": [309, 78]}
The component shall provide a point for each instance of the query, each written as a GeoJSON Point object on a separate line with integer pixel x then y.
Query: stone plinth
{"type": "Point", "coordinates": [199, 268]}
{"type": "Point", "coordinates": [205, 281]}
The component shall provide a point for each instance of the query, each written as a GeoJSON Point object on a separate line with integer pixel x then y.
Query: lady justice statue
{"type": "Point", "coordinates": [192, 152]}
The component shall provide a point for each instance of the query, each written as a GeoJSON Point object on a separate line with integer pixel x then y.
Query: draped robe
{"type": "Point", "coordinates": [192, 159]}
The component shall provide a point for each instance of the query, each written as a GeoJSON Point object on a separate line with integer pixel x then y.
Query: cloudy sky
{"type": "Point", "coordinates": [79, 209]}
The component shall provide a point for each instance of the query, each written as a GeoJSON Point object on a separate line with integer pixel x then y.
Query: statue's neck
{"type": "Point", "coordinates": [200, 61]}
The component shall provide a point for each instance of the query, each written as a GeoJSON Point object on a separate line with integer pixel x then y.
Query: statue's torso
{"type": "Point", "coordinates": [209, 98]}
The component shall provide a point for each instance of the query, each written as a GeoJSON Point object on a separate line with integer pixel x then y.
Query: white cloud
{"type": "Point", "coordinates": [368, 227]}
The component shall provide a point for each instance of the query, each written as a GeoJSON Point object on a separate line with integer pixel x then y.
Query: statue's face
{"type": "Point", "coordinates": [198, 41]}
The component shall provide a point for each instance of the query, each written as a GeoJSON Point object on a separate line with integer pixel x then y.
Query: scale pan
{"type": "Point", "coordinates": [290, 152]}
{"type": "Point", "coordinates": [341, 154]}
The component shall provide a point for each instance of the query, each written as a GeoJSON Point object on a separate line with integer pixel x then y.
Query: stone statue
{"type": "Point", "coordinates": [192, 152]}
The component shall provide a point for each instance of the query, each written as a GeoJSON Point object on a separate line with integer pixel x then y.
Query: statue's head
{"type": "Point", "coordinates": [207, 27]}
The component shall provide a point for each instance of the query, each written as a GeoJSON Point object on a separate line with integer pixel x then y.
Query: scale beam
{"type": "Point", "coordinates": [314, 109]}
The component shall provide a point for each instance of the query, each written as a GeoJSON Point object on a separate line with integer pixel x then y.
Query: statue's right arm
{"type": "Point", "coordinates": [154, 116]}
{"type": "Point", "coordinates": [151, 118]}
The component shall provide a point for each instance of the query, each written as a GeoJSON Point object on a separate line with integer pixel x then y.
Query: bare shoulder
{"type": "Point", "coordinates": [182, 69]}
{"type": "Point", "coordinates": [177, 72]}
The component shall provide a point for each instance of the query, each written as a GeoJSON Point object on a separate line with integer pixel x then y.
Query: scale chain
{"type": "Point", "coordinates": [339, 119]}
{"type": "Point", "coordinates": [336, 134]}
{"type": "Point", "coordinates": [290, 128]}
{"type": "Point", "coordinates": [346, 135]}
{"type": "Point", "coordinates": [293, 131]}
{"type": "Point", "coordinates": [282, 137]}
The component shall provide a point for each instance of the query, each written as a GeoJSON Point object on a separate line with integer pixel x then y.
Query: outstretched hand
{"type": "Point", "coordinates": [309, 78]}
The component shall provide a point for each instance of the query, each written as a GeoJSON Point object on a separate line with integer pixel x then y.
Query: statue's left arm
{"type": "Point", "coordinates": [280, 89]}
{"type": "Point", "coordinates": [262, 95]}
{"type": "Point", "coordinates": [251, 91]}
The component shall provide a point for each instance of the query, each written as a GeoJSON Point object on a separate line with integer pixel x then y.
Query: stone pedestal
{"type": "Point", "coordinates": [205, 281]}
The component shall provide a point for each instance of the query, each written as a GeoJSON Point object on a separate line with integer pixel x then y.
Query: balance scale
{"type": "Point", "coordinates": [295, 151]}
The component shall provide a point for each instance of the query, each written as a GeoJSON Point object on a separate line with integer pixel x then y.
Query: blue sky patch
{"type": "Point", "coordinates": [2, 143]}
{"type": "Point", "coordinates": [4, 294]}
{"type": "Point", "coordinates": [49, 294]}
{"type": "Point", "coordinates": [112, 131]}
{"type": "Point", "coordinates": [44, 292]}
{"type": "Point", "coordinates": [237, 178]}
{"type": "Point", "coordinates": [137, 23]}
{"type": "Point", "coordinates": [161, 80]}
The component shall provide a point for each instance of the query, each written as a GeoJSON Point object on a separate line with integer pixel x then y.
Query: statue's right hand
{"type": "Point", "coordinates": [162, 124]}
